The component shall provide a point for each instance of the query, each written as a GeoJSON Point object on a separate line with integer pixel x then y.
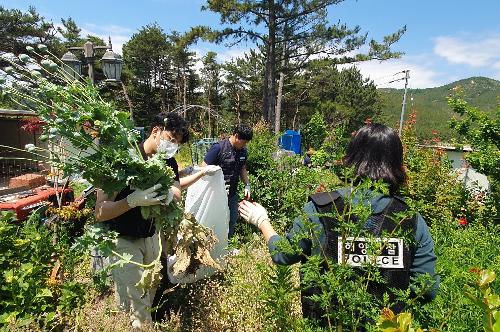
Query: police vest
{"type": "Point", "coordinates": [231, 162]}
{"type": "Point", "coordinates": [393, 260]}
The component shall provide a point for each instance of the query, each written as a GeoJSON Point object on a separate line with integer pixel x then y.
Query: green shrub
{"type": "Point", "coordinates": [433, 189]}
{"type": "Point", "coordinates": [314, 132]}
{"type": "Point", "coordinates": [460, 252]}
{"type": "Point", "coordinates": [482, 131]}
{"type": "Point", "coordinates": [30, 290]}
{"type": "Point", "coordinates": [285, 191]}
{"type": "Point", "coordinates": [261, 149]}
{"type": "Point", "coordinates": [278, 297]}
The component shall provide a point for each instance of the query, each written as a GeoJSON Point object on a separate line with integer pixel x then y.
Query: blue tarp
{"type": "Point", "coordinates": [290, 140]}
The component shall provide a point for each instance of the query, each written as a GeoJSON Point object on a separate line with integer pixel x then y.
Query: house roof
{"type": "Point", "coordinates": [15, 113]}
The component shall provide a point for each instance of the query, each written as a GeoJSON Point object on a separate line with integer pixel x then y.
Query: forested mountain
{"type": "Point", "coordinates": [433, 112]}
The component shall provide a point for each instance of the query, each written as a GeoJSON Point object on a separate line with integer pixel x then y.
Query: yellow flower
{"type": "Point", "coordinates": [20, 242]}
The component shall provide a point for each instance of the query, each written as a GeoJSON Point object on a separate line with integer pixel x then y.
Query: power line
{"type": "Point", "coordinates": [394, 80]}
{"type": "Point", "coordinates": [384, 76]}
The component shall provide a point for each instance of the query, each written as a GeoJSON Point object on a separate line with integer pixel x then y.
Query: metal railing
{"type": "Point", "coordinates": [200, 148]}
{"type": "Point", "coordinates": [12, 165]}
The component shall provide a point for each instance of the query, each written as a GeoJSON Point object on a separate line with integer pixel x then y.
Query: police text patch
{"type": "Point", "coordinates": [355, 251]}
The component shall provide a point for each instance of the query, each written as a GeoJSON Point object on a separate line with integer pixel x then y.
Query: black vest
{"type": "Point", "coordinates": [231, 161]}
{"type": "Point", "coordinates": [131, 223]}
{"type": "Point", "coordinates": [398, 278]}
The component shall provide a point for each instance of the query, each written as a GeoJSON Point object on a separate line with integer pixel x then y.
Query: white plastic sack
{"type": "Point", "coordinates": [207, 200]}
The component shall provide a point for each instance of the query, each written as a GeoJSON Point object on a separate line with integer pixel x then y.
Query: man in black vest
{"type": "Point", "coordinates": [231, 155]}
{"type": "Point", "coordinates": [137, 236]}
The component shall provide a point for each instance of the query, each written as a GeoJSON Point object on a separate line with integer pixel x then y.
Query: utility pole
{"type": "Point", "coordinates": [407, 77]}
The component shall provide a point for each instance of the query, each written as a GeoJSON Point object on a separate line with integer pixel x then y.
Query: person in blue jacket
{"type": "Point", "coordinates": [231, 155]}
{"type": "Point", "coordinates": [376, 153]}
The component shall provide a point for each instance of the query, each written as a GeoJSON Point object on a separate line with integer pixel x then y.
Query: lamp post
{"type": "Point", "coordinates": [71, 65]}
{"type": "Point", "coordinates": [112, 63]}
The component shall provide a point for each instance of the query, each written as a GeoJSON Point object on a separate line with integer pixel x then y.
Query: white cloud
{"type": "Point", "coordinates": [199, 64]}
{"type": "Point", "coordinates": [119, 35]}
{"type": "Point", "coordinates": [109, 28]}
{"type": "Point", "coordinates": [475, 52]}
{"type": "Point", "coordinates": [496, 74]}
{"type": "Point", "coordinates": [232, 53]}
{"type": "Point", "coordinates": [422, 74]}
{"type": "Point", "coordinates": [223, 56]}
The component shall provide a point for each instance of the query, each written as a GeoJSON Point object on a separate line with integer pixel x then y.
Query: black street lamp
{"type": "Point", "coordinates": [71, 65]}
{"type": "Point", "coordinates": [112, 63]}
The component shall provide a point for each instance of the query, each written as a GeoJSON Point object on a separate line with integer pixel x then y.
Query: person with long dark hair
{"type": "Point", "coordinates": [376, 154]}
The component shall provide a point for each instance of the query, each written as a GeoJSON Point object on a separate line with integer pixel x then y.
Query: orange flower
{"type": "Point", "coordinates": [462, 221]}
{"type": "Point", "coordinates": [387, 314]}
{"type": "Point", "coordinates": [321, 188]}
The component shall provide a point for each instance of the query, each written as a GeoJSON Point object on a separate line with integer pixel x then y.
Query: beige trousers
{"type": "Point", "coordinates": [128, 297]}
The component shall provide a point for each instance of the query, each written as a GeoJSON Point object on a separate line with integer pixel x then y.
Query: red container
{"type": "Point", "coordinates": [25, 202]}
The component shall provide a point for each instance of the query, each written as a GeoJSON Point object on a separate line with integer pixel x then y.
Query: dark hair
{"type": "Point", "coordinates": [172, 122]}
{"type": "Point", "coordinates": [243, 131]}
{"type": "Point", "coordinates": [376, 152]}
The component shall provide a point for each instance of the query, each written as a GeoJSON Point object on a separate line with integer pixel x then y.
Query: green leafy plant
{"type": "Point", "coordinates": [389, 322]}
{"type": "Point", "coordinates": [482, 131]}
{"type": "Point", "coordinates": [30, 289]}
{"type": "Point", "coordinates": [315, 131]}
{"type": "Point", "coordinates": [261, 149]}
{"type": "Point", "coordinates": [87, 135]}
{"type": "Point", "coordinates": [487, 300]}
{"type": "Point", "coordinates": [279, 293]}
{"type": "Point", "coordinates": [432, 187]}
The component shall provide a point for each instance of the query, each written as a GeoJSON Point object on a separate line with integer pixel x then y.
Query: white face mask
{"type": "Point", "coordinates": [167, 148]}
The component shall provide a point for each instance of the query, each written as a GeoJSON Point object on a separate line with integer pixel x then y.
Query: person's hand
{"type": "Point", "coordinates": [145, 197]}
{"type": "Point", "coordinates": [210, 169]}
{"type": "Point", "coordinates": [247, 191]}
{"type": "Point", "coordinates": [186, 171]}
{"type": "Point", "coordinates": [170, 197]}
{"type": "Point", "coordinates": [253, 213]}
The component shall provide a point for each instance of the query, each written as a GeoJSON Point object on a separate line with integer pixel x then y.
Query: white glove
{"type": "Point", "coordinates": [170, 197]}
{"type": "Point", "coordinates": [145, 197]}
{"type": "Point", "coordinates": [187, 171]}
{"type": "Point", "coordinates": [253, 213]}
{"type": "Point", "coordinates": [247, 191]}
{"type": "Point", "coordinates": [210, 169]}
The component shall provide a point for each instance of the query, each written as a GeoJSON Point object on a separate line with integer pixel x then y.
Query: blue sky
{"type": "Point", "coordinates": [445, 40]}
